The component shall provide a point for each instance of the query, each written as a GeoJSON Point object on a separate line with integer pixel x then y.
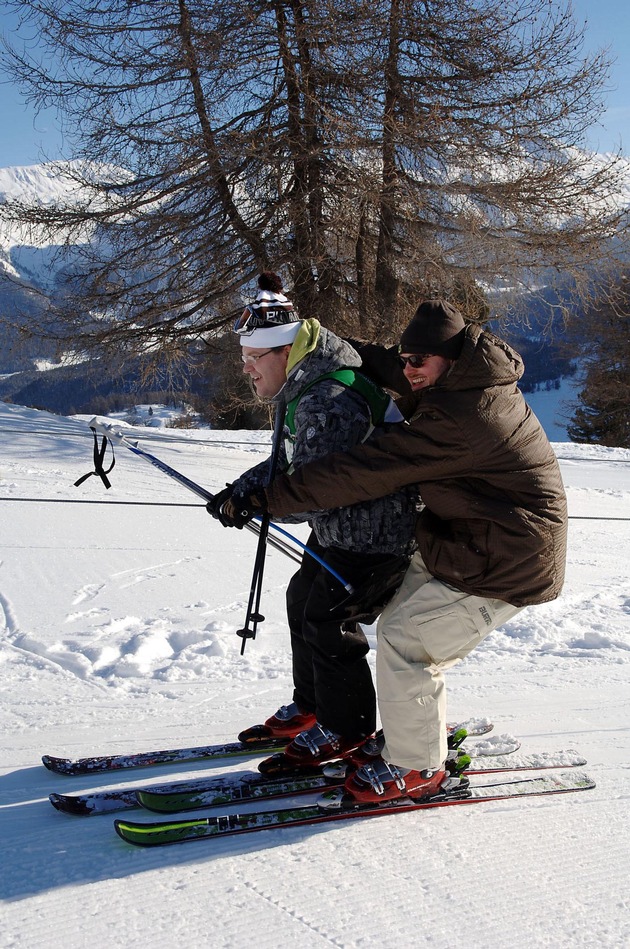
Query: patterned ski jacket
{"type": "Point", "coordinates": [495, 517]}
{"type": "Point", "coordinates": [330, 417]}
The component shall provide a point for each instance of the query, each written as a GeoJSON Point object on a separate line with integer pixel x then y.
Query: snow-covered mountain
{"type": "Point", "coordinates": [43, 184]}
{"type": "Point", "coordinates": [29, 258]}
{"type": "Point", "coordinates": [27, 255]}
{"type": "Point", "coordinates": [31, 262]}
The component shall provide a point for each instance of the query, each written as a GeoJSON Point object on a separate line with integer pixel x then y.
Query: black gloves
{"type": "Point", "coordinates": [235, 511]}
{"type": "Point", "coordinates": [214, 506]}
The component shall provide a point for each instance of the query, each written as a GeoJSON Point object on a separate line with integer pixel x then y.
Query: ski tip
{"type": "Point", "coordinates": [583, 781]}
{"type": "Point", "coordinates": [157, 834]}
{"type": "Point", "coordinates": [58, 765]}
{"type": "Point", "coordinates": [122, 829]}
{"type": "Point", "coordinates": [67, 766]}
{"type": "Point", "coordinates": [474, 726]}
{"type": "Point", "coordinates": [497, 745]}
{"type": "Point", "coordinates": [133, 834]}
{"type": "Point", "coordinates": [256, 733]}
{"type": "Point", "coordinates": [69, 805]}
{"type": "Point", "coordinates": [150, 801]}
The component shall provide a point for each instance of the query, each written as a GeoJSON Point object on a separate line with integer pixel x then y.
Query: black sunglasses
{"type": "Point", "coordinates": [416, 359]}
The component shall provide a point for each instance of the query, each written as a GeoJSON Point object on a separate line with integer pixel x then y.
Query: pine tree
{"type": "Point", "coordinates": [603, 415]}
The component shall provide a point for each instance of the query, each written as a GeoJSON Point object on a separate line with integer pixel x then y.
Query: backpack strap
{"type": "Point", "coordinates": [377, 400]}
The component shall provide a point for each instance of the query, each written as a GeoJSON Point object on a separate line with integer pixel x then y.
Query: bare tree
{"type": "Point", "coordinates": [373, 152]}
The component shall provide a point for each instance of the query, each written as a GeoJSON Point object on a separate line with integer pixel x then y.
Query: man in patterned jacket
{"type": "Point", "coordinates": [369, 544]}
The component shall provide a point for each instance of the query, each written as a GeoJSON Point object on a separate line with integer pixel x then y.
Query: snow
{"type": "Point", "coordinates": [118, 612]}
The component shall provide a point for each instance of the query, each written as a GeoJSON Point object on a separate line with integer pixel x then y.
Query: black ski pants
{"type": "Point", "coordinates": [331, 674]}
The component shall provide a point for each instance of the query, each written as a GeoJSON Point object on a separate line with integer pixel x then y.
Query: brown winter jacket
{"type": "Point", "coordinates": [495, 519]}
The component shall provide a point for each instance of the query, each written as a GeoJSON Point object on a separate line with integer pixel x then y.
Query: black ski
{"type": "Point", "coordinates": [237, 749]}
{"type": "Point", "coordinates": [148, 759]}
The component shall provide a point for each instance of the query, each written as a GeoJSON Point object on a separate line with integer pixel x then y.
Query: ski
{"type": "Point", "coordinates": [190, 795]}
{"type": "Point", "coordinates": [334, 806]}
{"type": "Point", "coordinates": [116, 799]}
{"type": "Point", "coordinates": [237, 749]}
{"type": "Point", "coordinates": [96, 802]}
{"type": "Point", "coordinates": [165, 802]}
{"type": "Point", "coordinates": [149, 759]}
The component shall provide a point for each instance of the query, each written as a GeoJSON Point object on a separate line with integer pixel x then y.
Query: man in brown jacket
{"type": "Point", "coordinates": [491, 536]}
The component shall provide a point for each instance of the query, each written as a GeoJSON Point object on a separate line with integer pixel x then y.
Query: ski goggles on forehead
{"type": "Point", "coordinates": [244, 323]}
{"type": "Point", "coordinates": [252, 319]}
{"type": "Point", "coordinates": [415, 359]}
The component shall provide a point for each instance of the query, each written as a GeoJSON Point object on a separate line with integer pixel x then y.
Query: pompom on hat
{"type": "Point", "coordinates": [270, 320]}
{"type": "Point", "coordinates": [437, 329]}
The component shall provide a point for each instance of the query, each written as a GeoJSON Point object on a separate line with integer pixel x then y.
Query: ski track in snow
{"type": "Point", "coordinates": [118, 633]}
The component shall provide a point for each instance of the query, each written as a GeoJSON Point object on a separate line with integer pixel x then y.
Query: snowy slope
{"type": "Point", "coordinates": [118, 613]}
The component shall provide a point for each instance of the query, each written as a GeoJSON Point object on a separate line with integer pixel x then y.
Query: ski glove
{"type": "Point", "coordinates": [238, 511]}
{"type": "Point", "coordinates": [234, 511]}
{"type": "Point", "coordinates": [214, 506]}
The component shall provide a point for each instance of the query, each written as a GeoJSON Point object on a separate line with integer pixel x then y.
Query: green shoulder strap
{"type": "Point", "coordinates": [376, 398]}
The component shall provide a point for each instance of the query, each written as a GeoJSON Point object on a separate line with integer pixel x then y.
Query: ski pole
{"type": "Point", "coordinates": [253, 614]}
{"type": "Point", "coordinates": [311, 553]}
{"type": "Point", "coordinates": [114, 436]}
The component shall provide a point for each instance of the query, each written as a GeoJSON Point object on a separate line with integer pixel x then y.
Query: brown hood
{"type": "Point", "coordinates": [485, 361]}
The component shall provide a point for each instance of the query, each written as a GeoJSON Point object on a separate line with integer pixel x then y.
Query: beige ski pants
{"type": "Point", "coordinates": [425, 629]}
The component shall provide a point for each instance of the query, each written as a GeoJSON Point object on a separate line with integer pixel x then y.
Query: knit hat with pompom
{"type": "Point", "coordinates": [270, 320]}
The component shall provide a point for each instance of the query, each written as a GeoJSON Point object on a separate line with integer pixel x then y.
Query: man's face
{"type": "Point", "coordinates": [427, 372]}
{"type": "Point", "coordinates": [267, 368]}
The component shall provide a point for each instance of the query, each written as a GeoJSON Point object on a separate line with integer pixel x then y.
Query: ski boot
{"type": "Point", "coordinates": [309, 750]}
{"type": "Point", "coordinates": [287, 722]}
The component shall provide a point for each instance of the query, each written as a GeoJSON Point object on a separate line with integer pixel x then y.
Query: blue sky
{"type": "Point", "coordinates": [25, 137]}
